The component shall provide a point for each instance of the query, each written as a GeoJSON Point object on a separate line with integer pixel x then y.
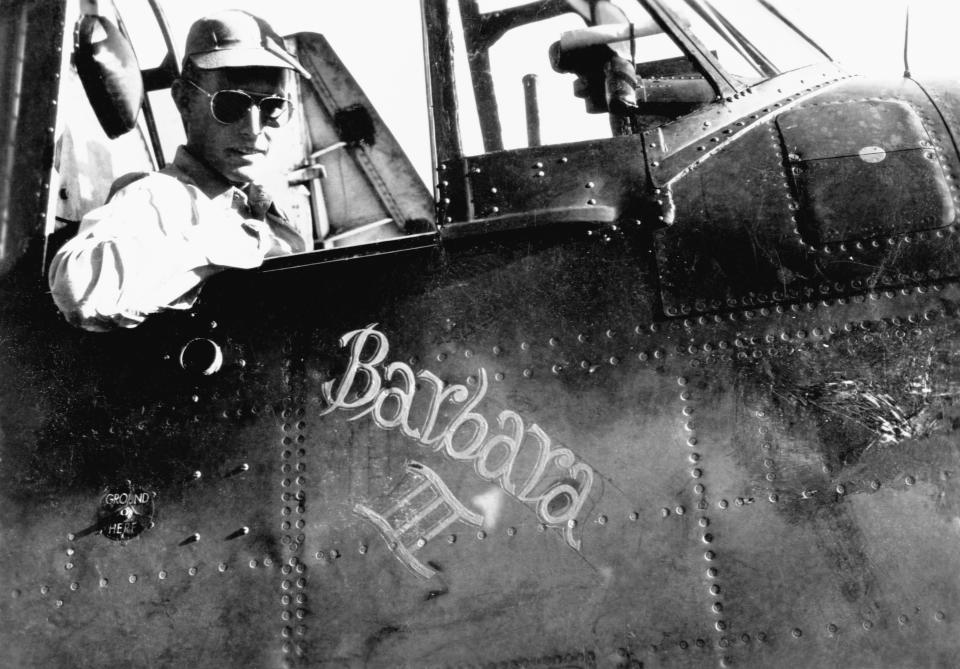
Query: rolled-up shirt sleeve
{"type": "Point", "coordinates": [149, 249]}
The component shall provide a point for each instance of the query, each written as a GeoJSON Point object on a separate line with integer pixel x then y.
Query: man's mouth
{"type": "Point", "coordinates": [245, 154]}
{"type": "Point", "coordinates": [247, 150]}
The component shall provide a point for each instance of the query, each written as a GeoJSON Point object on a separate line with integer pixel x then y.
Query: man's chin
{"type": "Point", "coordinates": [244, 174]}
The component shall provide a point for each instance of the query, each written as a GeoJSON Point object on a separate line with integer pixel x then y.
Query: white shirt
{"type": "Point", "coordinates": [155, 242]}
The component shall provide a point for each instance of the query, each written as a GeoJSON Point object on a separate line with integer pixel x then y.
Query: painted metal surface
{"type": "Point", "coordinates": [661, 400]}
{"type": "Point", "coordinates": [30, 80]}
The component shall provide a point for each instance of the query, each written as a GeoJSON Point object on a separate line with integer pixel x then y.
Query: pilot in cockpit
{"type": "Point", "coordinates": [216, 206]}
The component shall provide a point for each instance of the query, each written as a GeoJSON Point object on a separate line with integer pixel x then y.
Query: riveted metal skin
{"type": "Point", "coordinates": [663, 400]}
{"type": "Point", "coordinates": [30, 81]}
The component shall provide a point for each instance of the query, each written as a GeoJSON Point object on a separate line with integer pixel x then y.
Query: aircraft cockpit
{"type": "Point", "coordinates": [349, 181]}
{"type": "Point", "coordinates": [548, 72]}
{"type": "Point", "coordinates": [509, 82]}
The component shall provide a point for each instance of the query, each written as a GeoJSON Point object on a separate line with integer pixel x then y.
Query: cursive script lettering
{"type": "Point", "coordinates": [521, 459]}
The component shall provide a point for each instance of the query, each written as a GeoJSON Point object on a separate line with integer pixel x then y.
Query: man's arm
{"type": "Point", "coordinates": [149, 249]}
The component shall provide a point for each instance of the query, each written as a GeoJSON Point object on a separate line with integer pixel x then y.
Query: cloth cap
{"type": "Point", "coordinates": [233, 38]}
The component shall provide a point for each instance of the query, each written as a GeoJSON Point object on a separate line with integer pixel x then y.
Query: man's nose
{"type": "Point", "coordinates": [251, 123]}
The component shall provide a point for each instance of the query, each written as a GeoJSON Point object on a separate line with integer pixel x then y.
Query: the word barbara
{"type": "Point", "coordinates": [519, 458]}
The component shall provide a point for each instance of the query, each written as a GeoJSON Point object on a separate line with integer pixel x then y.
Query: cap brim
{"type": "Point", "coordinates": [254, 57]}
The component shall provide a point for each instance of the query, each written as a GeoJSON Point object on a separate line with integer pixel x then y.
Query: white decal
{"type": "Point", "coordinates": [409, 513]}
{"type": "Point", "coordinates": [872, 154]}
{"type": "Point", "coordinates": [519, 458]}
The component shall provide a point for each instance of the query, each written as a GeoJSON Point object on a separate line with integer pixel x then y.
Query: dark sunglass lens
{"type": "Point", "coordinates": [275, 109]}
{"type": "Point", "coordinates": [230, 106]}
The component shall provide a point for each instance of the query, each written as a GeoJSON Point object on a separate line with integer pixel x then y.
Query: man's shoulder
{"type": "Point", "coordinates": [165, 181]}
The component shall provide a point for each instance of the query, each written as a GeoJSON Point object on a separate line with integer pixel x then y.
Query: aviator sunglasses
{"type": "Point", "coordinates": [229, 106]}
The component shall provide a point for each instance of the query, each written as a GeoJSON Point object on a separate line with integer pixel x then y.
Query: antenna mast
{"type": "Point", "coordinates": [906, 43]}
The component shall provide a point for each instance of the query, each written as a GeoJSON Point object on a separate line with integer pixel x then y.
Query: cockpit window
{"type": "Point", "coordinates": [760, 25]}
{"type": "Point", "coordinates": [558, 71]}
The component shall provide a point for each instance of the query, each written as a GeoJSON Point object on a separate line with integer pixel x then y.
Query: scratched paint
{"type": "Point", "coordinates": [522, 459]}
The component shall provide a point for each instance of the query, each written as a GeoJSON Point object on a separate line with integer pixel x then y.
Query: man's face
{"type": "Point", "coordinates": [237, 150]}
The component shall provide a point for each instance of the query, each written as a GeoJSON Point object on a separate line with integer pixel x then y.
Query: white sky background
{"type": "Point", "coordinates": [380, 42]}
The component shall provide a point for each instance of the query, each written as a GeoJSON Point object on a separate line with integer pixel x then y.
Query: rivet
{"type": "Point", "coordinates": [636, 516]}
{"type": "Point", "coordinates": [59, 603]}
{"type": "Point", "coordinates": [74, 586]}
{"type": "Point", "coordinates": [797, 633]}
{"type": "Point", "coordinates": [707, 538]}
{"type": "Point", "coordinates": [875, 484]}
{"type": "Point", "coordinates": [717, 607]}
{"type": "Point", "coordinates": [694, 457]}
{"type": "Point", "coordinates": [712, 572]}
{"type": "Point", "coordinates": [867, 624]}
{"type": "Point", "coordinates": [832, 629]}
{"type": "Point", "coordinates": [665, 512]}
{"type": "Point", "coordinates": [696, 473]}
{"type": "Point", "coordinates": [903, 620]}
{"type": "Point", "coordinates": [720, 625]}
{"type": "Point", "coordinates": [132, 578]}
{"type": "Point", "coordinates": [680, 511]}
{"type": "Point", "coordinates": [481, 535]}
{"type": "Point", "coordinates": [773, 498]}
{"type": "Point", "coordinates": [709, 556]}
{"type": "Point", "coordinates": [68, 566]}
{"type": "Point", "coordinates": [192, 571]}
{"type": "Point", "coordinates": [527, 373]}
{"type": "Point", "coordinates": [589, 184]}
{"type": "Point", "coordinates": [723, 504]}
{"type": "Point", "coordinates": [909, 480]}
{"type": "Point", "coordinates": [222, 566]}
{"type": "Point", "coordinates": [939, 616]}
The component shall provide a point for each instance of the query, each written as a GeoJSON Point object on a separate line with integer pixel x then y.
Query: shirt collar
{"type": "Point", "coordinates": [192, 170]}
